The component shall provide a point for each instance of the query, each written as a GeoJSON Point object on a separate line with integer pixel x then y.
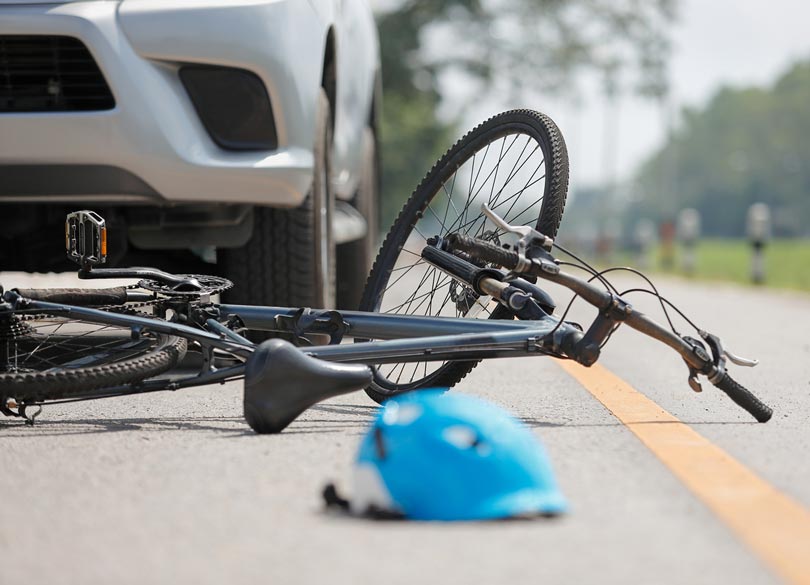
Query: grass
{"type": "Point", "coordinates": [787, 262]}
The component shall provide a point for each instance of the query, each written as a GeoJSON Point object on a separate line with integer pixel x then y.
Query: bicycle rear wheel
{"type": "Point", "coordinates": [515, 162]}
{"type": "Point", "coordinates": [46, 357]}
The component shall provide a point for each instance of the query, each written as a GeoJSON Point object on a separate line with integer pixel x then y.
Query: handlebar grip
{"type": "Point", "coordinates": [744, 398]}
{"type": "Point", "coordinates": [462, 269]}
{"type": "Point", "coordinates": [483, 250]}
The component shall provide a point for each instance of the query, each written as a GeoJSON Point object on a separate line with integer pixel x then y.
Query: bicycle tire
{"type": "Point", "coordinates": [533, 125]}
{"type": "Point", "coordinates": [71, 363]}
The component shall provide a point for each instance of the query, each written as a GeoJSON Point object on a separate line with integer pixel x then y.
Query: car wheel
{"type": "Point", "coordinates": [290, 258]}
{"type": "Point", "coordinates": [354, 259]}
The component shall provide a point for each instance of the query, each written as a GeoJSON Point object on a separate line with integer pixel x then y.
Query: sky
{"type": "Point", "coordinates": [714, 43]}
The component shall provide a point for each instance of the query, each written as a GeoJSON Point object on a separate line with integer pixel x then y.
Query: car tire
{"type": "Point", "coordinates": [354, 259]}
{"type": "Point", "coordinates": [290, 258]}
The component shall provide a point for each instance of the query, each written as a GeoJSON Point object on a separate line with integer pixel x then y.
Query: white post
{"type": "Point", "coordinates": [759, 232]}
{"type": "Point", "coordinates": [689, 232]}
{"type": "Point", "coordinates": [644, 235]}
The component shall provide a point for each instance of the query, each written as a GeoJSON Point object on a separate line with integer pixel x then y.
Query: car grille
{"type": "Point", "coordinates": [50, 74]}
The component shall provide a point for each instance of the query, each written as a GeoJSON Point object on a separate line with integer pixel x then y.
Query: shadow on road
{"type": "Point", "coordinates": [45, 427]}
{"type": "Point", "coordinates": [351, 417]}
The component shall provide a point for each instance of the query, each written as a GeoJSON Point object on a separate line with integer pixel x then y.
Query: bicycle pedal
{"type": "Point", "coordinates": [86, 238]}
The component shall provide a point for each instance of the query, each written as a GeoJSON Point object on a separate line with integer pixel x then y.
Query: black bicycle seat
{"type": "Point", "coordinates": [281, 382]}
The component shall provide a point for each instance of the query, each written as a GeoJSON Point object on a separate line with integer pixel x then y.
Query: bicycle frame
{"type": "Point", "coordinates": [405, 338]}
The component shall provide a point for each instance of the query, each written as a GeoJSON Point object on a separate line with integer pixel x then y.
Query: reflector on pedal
{"type": "Point", "coordinates": [86, 238]}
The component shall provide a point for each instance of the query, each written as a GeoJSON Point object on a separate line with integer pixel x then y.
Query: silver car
{"type": "Point", "coordinates": [236, 131]}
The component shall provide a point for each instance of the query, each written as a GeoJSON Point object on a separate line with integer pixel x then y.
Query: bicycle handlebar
{"type": "Point", "coordinates": [614, 310]}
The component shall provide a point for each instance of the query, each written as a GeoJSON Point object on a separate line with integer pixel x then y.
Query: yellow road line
{"type": "Point", "coordinates": [773, 525]}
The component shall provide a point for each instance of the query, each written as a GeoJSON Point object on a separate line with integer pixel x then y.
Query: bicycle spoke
{"type": "Point", "coordinates": [403, 275]}
{"type": "Point", "coordinates": [516, 168]}
{"type": "Point", "coordinates": [428, 295]}
{"type": "Point", "coordinates": [61, 343]}
{"type": "Point", "coordinates": [496, 205]}
{"type": "Point", "coordinates": [55, 344]}
{"type": "Point", "coordinates": [497, 165]}
{"type": "Point", "coordinates": [413, 297]}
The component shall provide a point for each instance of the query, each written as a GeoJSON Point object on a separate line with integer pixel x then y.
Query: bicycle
{"type": "Point", "coordinates": [466, 294]}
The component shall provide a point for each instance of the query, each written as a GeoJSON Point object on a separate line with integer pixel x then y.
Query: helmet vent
{"type": "Point", "coordinates": [461, 436]}
{"type": "Point", "coordinates": [402, 414]}
{"type": "Point", "coordinates": [379, 443]}
{"type": "Point", "coordinates": [465, 437]}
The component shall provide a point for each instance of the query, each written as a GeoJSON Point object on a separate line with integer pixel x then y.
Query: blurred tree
{"type": "Point", "coordinates": [503, 47]}
{"type": "Point", "coordinates": [745, 146]}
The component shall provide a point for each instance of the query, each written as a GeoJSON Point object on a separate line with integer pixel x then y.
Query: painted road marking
{"type": "Point", "coordinates": [773, 525]}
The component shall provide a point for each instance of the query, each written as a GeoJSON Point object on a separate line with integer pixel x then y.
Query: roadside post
{"type": "Point", "coordinates": [588, 238]}
{"type": "Point", "coordinates": [688, 233]}
{"type": "Point", "coordinates": [666, 231]}
{"type": "Point", "coordinates": [643, 237]}
{"type": "Point", "coordinates": [759, 232]}
{"type": "Point", "coordinates": [606, 241]}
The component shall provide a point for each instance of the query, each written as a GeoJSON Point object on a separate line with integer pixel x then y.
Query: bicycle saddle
{"type": "Point", "coordinates": [281, 382]}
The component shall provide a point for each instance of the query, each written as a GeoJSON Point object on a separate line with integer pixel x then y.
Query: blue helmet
{"type": "Point", "coordinates": [430, 456]}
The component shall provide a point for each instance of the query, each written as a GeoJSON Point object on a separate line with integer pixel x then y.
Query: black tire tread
{"type": "Point", "coordinates": [272, 269]}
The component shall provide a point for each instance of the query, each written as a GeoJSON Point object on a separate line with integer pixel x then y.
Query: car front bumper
{"type": "Point", "coordinates": [153, 133]}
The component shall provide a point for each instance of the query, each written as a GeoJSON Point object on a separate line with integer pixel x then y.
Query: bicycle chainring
{"type": "Point", "coordinates": [193, 286]}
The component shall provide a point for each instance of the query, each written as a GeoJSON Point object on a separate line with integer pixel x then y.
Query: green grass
{"type": "Point", "coordinates": [787, 262]}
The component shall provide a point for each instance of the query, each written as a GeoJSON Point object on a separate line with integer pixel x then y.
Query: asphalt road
{"type": "Point", "coordinates": [175, 488]}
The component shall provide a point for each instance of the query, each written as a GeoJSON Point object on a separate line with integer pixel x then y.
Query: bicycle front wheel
{"type": "Point", "coordinates": [517, 163]}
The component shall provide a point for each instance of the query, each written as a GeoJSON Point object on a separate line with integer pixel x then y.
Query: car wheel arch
{"type": "Point", "coordinates": [329, 73]}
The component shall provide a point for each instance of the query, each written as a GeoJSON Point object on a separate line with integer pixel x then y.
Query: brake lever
{"type": "Point", "coordinates": [720, 353]}
{"type": "Point", "coordinates": [528, 235]}
{"type": "Point", "coordinates": [740, 361]}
